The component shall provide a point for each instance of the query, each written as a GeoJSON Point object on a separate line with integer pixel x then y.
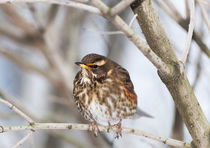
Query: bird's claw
{"type": "Point", "coordinates": [93, 126]}
{"type": "Point", "coordinates": [118, 130]}
{"type": "Point", "coordinates": [117, 127]}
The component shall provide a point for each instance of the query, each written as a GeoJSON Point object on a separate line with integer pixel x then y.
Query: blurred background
{"type": "Point", "coordinates": [39, 44]}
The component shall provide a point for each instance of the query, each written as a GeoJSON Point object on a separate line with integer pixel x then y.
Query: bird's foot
{"type": "Point", "coordinates": [118, 129]}
{"type": "Point", "coordinates": [109, 126]}
{"type": "Point", "coordinates": [93, 126]}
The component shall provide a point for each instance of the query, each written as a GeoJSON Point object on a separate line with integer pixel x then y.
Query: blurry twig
{"type": "Point", "coordinates": [173, 8]}
{"type": "Point", "coordinates": [198, 72]}
{"type": "Point", "coordinates": [190, 32]}
{"type": "Point", "coordinates": [168, 11]}
{"type": "Point", "coordinates": [22, 62]}
{"type": "Point", "coordinates": [204, 14]}
{"type": "Point", "coordinates": [58, 63]}
{"type": "Point", "coordinates": [132, 35]}
{"type": "Point", "coordinates": [17, 104]}
{"type": "Point", "coordinates": [120, 7]}
{"type": "Point", "coordinates": [117, 21]}
{"type": "Point", "coordinates": [75, 126]}
{"type": "Point", "coordinates": [187, 10]}
{"type": "Point", "coordinates": [38, 126]}
{"type": "Point", "coordinates": [182, 22]}
{"type": "Point", "coordinates": [51, 14]}
{"type": "Point", "coordinates": [132, 20]}
{"type": "Point", "coordinates": [206, 2]}
{"type": "Point", "coordinates": [59, 2]}
{"type": "Point", "coordinates": [16, 19]}
{"type": "Point", "coordinates": [104, 32]}
{"type": "Point", "coordinates": [19, 112]}
{"type": "Point", "coordinates": [36, 16]}
{"type": "Point", "coordinates": [113, 32]}
{"type": "Point", "coordinates": [23, 140]}
{"type": "Point", "coordinates": [14, 108]}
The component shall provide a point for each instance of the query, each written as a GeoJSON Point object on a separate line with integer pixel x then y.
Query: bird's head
{"type": "Point", "coordinates": [96, 66]}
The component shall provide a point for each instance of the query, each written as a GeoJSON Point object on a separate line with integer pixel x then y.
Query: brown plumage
{"type": "Point", "coordinates": [103, 92]}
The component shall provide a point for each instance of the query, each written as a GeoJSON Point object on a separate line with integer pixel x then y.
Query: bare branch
{"type": "Point", "coordinates": [120, 7]}
{"type": "Point", "coordinates": [130, 33]}
{"type": "Point", "coordinates": [59, 2]}
{"type": "Point", "coordinates": [132, 20]}
{"type": "Point", "coordinates": [18, 20]}
{"type": "Point", "coordinates": [173, 8]}
{"type": "Point", "coordinates": [182, 22]}
{"type": "Point", "coordinates": [15, 109]}
{"type": "Point", "coordinates": [21, 62]}
{"type": "Point", "coordinates": [59, 65]}
{"type": "Point", "coordinates": [75, 126]}
{"type": "Point", "coordinates": [187, 10]}
{"type": "Point", "coordinates": [113, 32]}
{"type": "Point", "coordinates": [23, 140]}
{"type": "Point", "coordinates": [190, 32]}
{"type": "Point", "coordinates": [204, 14]}
{"type": "Point", "coordinates": [44, 126]}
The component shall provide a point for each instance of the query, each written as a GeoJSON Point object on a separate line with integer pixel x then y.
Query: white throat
{"type": "Point", "coordinates": [85, 78]}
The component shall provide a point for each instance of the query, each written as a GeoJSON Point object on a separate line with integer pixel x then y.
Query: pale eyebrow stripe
{"type": "Point", "coordinates": [100, 63]}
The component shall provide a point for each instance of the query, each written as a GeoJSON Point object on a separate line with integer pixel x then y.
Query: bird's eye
{"type": "Point", "coordinates": [94, 66]}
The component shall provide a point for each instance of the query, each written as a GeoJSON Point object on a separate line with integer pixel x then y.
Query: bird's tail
{"type": "Point", "coordinates": [140, 113]}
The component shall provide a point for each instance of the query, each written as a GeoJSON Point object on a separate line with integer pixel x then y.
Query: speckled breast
{"type": "Point", "coordinates": [103, 102]}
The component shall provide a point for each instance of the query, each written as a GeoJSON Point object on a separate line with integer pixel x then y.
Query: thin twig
{"type": "Point", "coordinates": [17, 19]}
{"type": "Point", "coordinates": [187, 10]}
{"type": "Point", "coordinates": [120, 7]}
{"type": "Point", "coordinates": [198, 71]}
{"type": "Point", "coordinates": [204, 14]}
{"type": "Point", "coordinates": [60, 2]}
{"type": "Point", "coordinates": [173, 8]}
{"type": "Point", "coordinates": [23, 140]}
{"type": "Point", "coordinates": [15, 109]}
{"type": "Point", "coordinates": [168, 11]}
{"type": "Point", "coordinates": [16, 102]}
{"type": "Point", "coordinates": [112, 32]}
{"type": "Point", "coordinates": [131, 34]}
{"type": "Point", "coordinates": [59, 65]}
{"type": "Point", "coordinates": [104, 32]}
{"type": "Point", "coordinates": [181, 21]}
{"type": "Point", "coordinates": [132, 20]}
{"type": "Point", "coordinates": [206, 2]}
{"type": "Point", "coordinates": [75, 126]}
{"type": "Point", "coordinates": [41, 126]}
{"type": "Point", "coordinates": [190, 32]}
{"type": "Point", "coordinates": [19, 112]}
{"type": "Point", "coordinates": [22, 62]}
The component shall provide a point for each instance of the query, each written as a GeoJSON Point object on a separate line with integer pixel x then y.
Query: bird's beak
{"type": "Point", "coordinates": [82, 65]}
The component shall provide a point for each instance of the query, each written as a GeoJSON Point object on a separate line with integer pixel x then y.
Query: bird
{"type": "Point", "coordinates": [104, 93]}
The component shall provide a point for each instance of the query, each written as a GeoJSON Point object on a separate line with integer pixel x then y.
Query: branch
{"type": "Point", "coordinates": [59, 2]}
{"type": "Point", "coordinates": [182, 22]}
{"type": "Point", "coordinates": [204, 14]}
{"type": "Point", "coordinates": [140, 43]}
{"type": "Point", "coordinates": [117, 21]}
{"type": "Point", "coordinates": [112, 32]}
{"type": "Point", "coordinates": [75, 126]}
{"type": "Point", "coordinates": [15, 109]}
{"type": "Point", "coordinates": [190, 32]}
{"type": "Point", "coordinates": [19, 112]}
{"type": "Point", "coordinates": [43, 126]}
{"type": "Point", "coordinates": [17, 19]}
{"type": "Point", "coordinates": [120, 7]}
{"type": "Point", "coordinates": [23, 140]}
{"type": "Point", "coordinates": [177, 83]}
{"type": "Point", "coordinates": [21, 62]}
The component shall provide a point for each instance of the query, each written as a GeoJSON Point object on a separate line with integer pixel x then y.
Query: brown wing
{"type": "Point", "coordinates": [124, 77]}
